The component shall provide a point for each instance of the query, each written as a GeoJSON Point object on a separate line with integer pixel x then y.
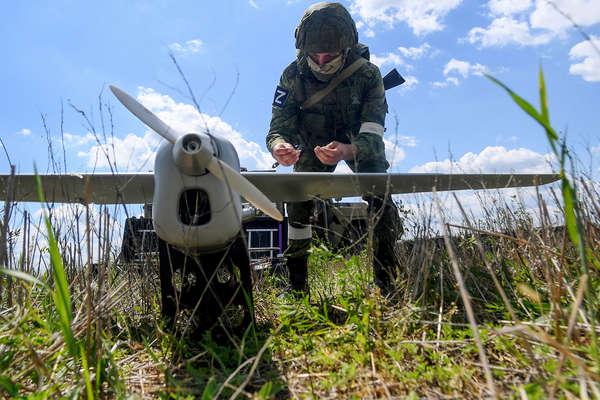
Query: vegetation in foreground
{"type": "Point", "coordinates": [505, 307]}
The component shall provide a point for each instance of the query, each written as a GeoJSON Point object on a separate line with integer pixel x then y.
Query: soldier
{"type": "Point", "coordinates": [330, 106]}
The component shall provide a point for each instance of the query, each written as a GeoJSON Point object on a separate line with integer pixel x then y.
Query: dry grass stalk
{"type": "Point", "coordinates": [571, 326]}
{"type": "Point", "coordinates": [545, 338]}
{"type": "Point", "coordinates": [4, 232]}
{"type": "Point", "coordinates": [89, 278]}
{"type": "Point", "coordinates": [469, 309]}
{"type": "Point", "coordinates": [497, 284]}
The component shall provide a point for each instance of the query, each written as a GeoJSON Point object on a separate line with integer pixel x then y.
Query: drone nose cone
{"type": "Point", "coordinates": [192, 146]}
{"type": "Point", "coordinates": [191, 154]}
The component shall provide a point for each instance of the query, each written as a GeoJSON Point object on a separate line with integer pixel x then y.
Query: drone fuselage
{"type": "Point", "coordinates": [192, 209]}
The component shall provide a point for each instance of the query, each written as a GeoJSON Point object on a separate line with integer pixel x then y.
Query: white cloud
{"type": "Point", "coordinates": [415, 53]}
{"type": "Point", "coordinates": [455, 69]}
{"type": "Point", "coordinates": [464, 68]}
{"type": "Point", "coordinates": [393, 153]}
{"type": "Point", "coordinates": [189, 47]}
{"type": "Point", "coordinates": [492, 159]}
{"type": "Point", "coordinates": [421, 16]}
{"type": "Point", "coordinates": [77, 140]}
{"type": "Point", "coordinates": [410, 82]}
{"type": "Point", "coordinates": [24, 132]}
{"type": "Point", "coordinates": [451, 80]}
{"type": "Point", "coordinates": [134, 152]}
{"type": "Point", "coordinates": [399, 58]}
{"type": "Point", "coordinates": [516, 22]}
{"type": "Point", "coordinates": [184, 117]}
{"type": "Point", "coordinates": [461, 67]}
{"type": "Point", "coordinates": [407, 141]}
{"type": "Point", "coordinates": [484, 207]}
{"type": "Point", "coordinates": [342, 168]}
{"type": "Point", "coordinates": [588, 66]}
{"type": "Point", "coordinates": [253, 4]}
{"type": "Point", "coordinates": [369, 33]}
{"type": "Point", "coordinates": [508, 7]}
{"type": "Point", "coordinates": [583, 12]}
{"type": "Point", "coordinates": [507, 30]}
{"type": "Point", "coordinates": [389, 58]}
{"type": "Point", "coordinates": [131, 153]}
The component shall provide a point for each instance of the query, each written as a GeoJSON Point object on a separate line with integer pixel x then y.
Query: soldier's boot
{"type": "Point", "coordinates": [385, 269]}
{"type": "Point", "coordinates": [298, 273]}
{"type": "Point", "coordinates": [387, 231]}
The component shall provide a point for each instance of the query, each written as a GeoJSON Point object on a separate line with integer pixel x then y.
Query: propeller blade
{"type": "Point", "coordinates": [241, 185]}
{"type": "Point", "coordinates": [215, 166]}
{"type": "Point", "coordinates": [145, 115]}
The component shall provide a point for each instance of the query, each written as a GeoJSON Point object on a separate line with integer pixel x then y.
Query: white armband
{"type": "Point", "coordinates": [371, 127]}
{"type": "Point", "coordinates": [299, 233]}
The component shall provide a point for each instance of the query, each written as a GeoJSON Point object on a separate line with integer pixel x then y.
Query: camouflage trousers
{"type": "Point", "coordinates": [387, 225]}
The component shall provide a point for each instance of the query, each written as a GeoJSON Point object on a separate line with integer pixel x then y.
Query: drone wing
{"type": "Point", "coordinates": [300, 186]}
{"type": "Point", "coordinates": [81, 188]}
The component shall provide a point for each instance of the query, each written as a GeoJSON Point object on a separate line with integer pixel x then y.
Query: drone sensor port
{"type": "Point", "coordinates": [194, 207]}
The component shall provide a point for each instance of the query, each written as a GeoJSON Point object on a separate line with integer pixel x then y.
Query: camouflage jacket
{"type": "Point", "coordinates": [354, 112]}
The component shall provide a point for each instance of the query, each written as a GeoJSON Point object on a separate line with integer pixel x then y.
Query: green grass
{"type": "Point", "coordinates": [534, 291]}
{"type": "Point", "coordinates": [347, 341]}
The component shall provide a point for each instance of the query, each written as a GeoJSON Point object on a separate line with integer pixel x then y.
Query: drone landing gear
{"type": "Point", "coordinates": [206, 292]}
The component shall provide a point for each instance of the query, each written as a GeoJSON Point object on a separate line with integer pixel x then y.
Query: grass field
{"type": "Point", "coordinates": [500, 307]}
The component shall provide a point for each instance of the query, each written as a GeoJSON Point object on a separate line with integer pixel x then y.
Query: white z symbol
{"type": "Point", "coordinates": [280, 96]}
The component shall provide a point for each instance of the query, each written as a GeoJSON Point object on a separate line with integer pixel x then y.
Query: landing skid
{"type": "Point", "coordinates": [210, 292]}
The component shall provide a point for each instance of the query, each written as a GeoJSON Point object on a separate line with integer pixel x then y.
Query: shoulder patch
{"type": "Point", "coordinates": [281, 95]}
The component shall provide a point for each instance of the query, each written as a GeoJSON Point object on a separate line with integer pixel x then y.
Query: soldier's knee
{"type": "Point", "coordinates": [300, 212]}
{"type": "Point", "coordinates": [388, 223]}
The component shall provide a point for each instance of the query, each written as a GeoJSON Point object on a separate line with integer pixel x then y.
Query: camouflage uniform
{"type": "Point", "coordinates": [354, 112]}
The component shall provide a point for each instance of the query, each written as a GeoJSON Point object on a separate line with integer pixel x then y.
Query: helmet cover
{"type": "Point", "coordinates": [326, 28]}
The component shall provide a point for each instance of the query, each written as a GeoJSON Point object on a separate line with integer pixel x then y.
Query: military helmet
{"type": "Point", "coordinates": [326, 28]}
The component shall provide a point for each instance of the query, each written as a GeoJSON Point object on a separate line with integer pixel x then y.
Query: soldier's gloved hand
{"type": "Point", "coordinates": [285, 154]}
{"type": "Point", "coordinates": [334, 152]}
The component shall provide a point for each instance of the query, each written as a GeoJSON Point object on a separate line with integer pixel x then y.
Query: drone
{"type": "Point", "coordinates": [196, 193]}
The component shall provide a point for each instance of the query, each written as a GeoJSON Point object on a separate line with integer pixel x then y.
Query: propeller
{"type": "Point", "coordinates": [145, 115]}
{"type": "Point", "coordinates": [217, 167]}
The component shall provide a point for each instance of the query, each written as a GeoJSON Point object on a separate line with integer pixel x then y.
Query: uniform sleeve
{"type": "Point", "coordinates": [285, 110]}
{"type": "Point", "coordinates": [369, 141]}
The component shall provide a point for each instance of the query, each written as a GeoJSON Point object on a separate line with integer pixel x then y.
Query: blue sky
{"type": "Point", "coordinates": [233, 51]}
